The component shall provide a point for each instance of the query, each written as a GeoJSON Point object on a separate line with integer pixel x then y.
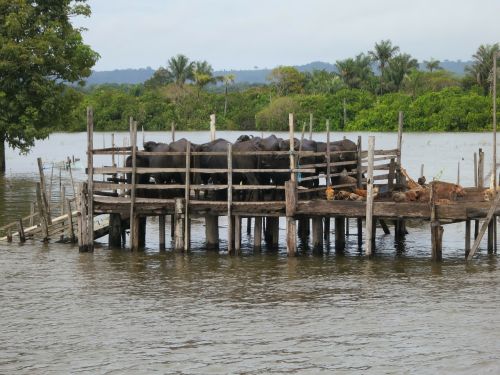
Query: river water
{"type": "Point", "coordinates": [115, 312]}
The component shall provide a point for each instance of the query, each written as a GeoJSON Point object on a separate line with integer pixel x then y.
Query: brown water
{"type": "Point", "coordinates": [118, 312]}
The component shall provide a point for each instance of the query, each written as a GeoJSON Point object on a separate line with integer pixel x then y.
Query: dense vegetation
{"type": "Point", "coordinates": [366, 94]}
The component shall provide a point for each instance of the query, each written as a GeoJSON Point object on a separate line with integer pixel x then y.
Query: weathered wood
{"type": "Point", "coordinates": [135, 232]}
{"type": "Point", "coordinates": [257, 229]}
{"type": "Point", "coordinates": [369, 198]}
{"type": "Point", "coordinates": [43, 189]}
{"type": "Point", "coordinates": [480, 170]}
{"type": "Point", "coordinates": [291, 236]}
{"type": "Point", "coordinates": [237, 234]}
{"type": "Point", "coordinates": [172, 131]}
{"type": "Point", "coordinates": [359, 233]}
{"type": "Point", "coordinates": [317, 234]}
{"type": "Point", "coordinates": [212, 232]}
{"type": "Point", "coordinates": [292, 146]}
{"type": "Point", "coordinates": [436, 229]}
{"type": "Point", "coordinates": [20, 231]}
{"type": "Point", "coordinates": [339, 234]}
{"type": "Point", "coordinates": [249, 226]}
{"type": "Point", "coordinates": [485, 225]}
{"type": "Point", "coordinates": [359, 164]}
{"type": "Point", "coordinates": [230, 231]}
{"type": "Point", "coordinates": [392, 174]}
{"type": "Point", "coordinates": [187, 191]}
{"type": "Point", "coordinates": [133, 190]}
{"type": "Point", "coordinates": [458, 174]}
{"type": "Point", "coordinates": [212, 127]}
{"type": "Point", "coordinates": [491, 236]}
{"type": "Point", "coordinates": [328, 177]}
{"type": "Point", "coordinates": [291, 198]}
{"type": "Point", "coordinates": [41, 212]}
{"type": "Point", "coordinates": [90, 179]}
{"type": "Point", "coordinates": [115, 230]}
{"type": "Point", "coordinates": [326, 230]}
{"type": "Point", "coordinates": [384, 226]}
{"type": "Point", "coordinates": [71, 231]}
{"type": "Point", "coordinates": [421, 170]}
{"type": "Point", "coordinates": [275, 230]}
{"type": "Point", "coordinates": [467, 237]}
{"type": "Point", "coordinates": [161, 231]}
{"type": "Point", "coordinates": [303, 229]}
{"type": "Point", "coordinates": [179, 225]}
{"type": "Point", "coordinates": [475, 169]}
{"type": "Point", "coordinates": [494, 115]}
{"type": "Point", "coordinates": [32, 213]}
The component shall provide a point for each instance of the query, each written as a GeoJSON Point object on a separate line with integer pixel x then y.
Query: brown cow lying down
{"type": "Point", "coordinates": [444, 192]}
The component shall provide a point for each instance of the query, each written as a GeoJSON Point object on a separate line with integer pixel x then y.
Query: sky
{"type": "Point", "coordinates": [234, 34]}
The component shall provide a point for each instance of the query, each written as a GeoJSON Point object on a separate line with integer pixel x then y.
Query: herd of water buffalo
{"type": "Point", "coordinates": [341, 151]}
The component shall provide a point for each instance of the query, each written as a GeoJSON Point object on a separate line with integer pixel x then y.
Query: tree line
{"type": "Point", "coordinates": [366, 93]}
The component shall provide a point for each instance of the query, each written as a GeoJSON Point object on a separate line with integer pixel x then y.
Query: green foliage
{"type": "Point", "coordinates": [482, 68]}
{"type": "Point", "coordinates": [40, 50]}
{"type": "Point", "coordinates": [275, 116]}
{"type": "Point", "coordinates": [287, 80]}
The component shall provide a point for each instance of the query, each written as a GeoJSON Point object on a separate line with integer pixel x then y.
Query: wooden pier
{"type": "Point", "coordinates": [129, 202]}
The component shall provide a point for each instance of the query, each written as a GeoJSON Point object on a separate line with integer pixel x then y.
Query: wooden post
{"type": "Point", "coordinates": [90, 182]}
{"type": "Point", "coordinates": [392, 174]}
{"type": "Point", "coordinates": [369, 196]}
{"type": "Point", "coordinates": [32, 214]}
{"type": "Point", "coordinates": [45, 200]}
{"type": "Point", "coordinates": [317, 233]}
{"type": "Point", "coordinates": [360, 232]}
{"type": "Point", "coordinates": [249, 225]}
{"type": "Point", "coordinates": [475, 169]}
{"type": "Point", "coordinates": [339, 234]}
{"type": "Point", "coordinates": [187, 190]}
{"type": "Point", "coordinates": [400, 140]}
{"type": "Point", "coordinates": [494, 98]}
{"type": "Point", "coordinates": [326, 230]}
{"type": "Point", "coordinates": [257, 230]}
{"type": "Point", "coordinates": [303, 229]}
{"type": "Point", "coordinates": [359, 184]}
{"type": "Point", "coordinates": [179, 225]}
{"type": "Point", "coordinates": [71, 231]}
{"type": "Point", "coordinates": [291, 225]}
{"type": "Point", "coordinates": [41, 212]}
{"type": "Point", "coordinates": [436, 229]}
{"type": "Point", "coordinates": [491, 235]}
{"type": "Point", "coordinates": [133, 227]}
{"type": "Point", "coordinates": [230, 237]}
{"type": "Point", "coordinates": [328, 179]}
{"type": "Point", "coordinates": [237, 234]}
{"type": "Point", "coordinates": [212, 232]}
{"type": "Point", "coordinates": [63, 199]}
{"type": "Point", "coordinates": [212, 127]}
{"type": "Point", "coordinates": [115, 230]}
{"type": "Point", "coordinates": [173, 131]}
{"type": "Point", "coordinates": [467, 237]}
{"type": "Point", "coordinates": [82, 218]}
{"type": "Point", "coordinates": [161, 231]}
{"type": "Point", "coordinates": [384, 226]}
{"type": "Point", "coordinates": [421, 170]}
{"type": "Point", "coordinates": [485, 225]}
{"type": "Point", "coordinates": [20, 230]}
{"type": "Point", "coordinates": [292, 147]}
{"type": "Point", "coordinates": [310, 126]}
{"type": "Point", "coordinates": [480, 170]}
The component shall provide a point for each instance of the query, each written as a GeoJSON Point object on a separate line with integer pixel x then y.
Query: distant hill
{"type": "Point", "coordinates": [253, 76]}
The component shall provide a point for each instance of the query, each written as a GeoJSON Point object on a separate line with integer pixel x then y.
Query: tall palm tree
{"type": "Point", "coordinates": [227, 79]}
{"type": "Point", "coordinates": [203, 74]}
{"type": "Point", "coordinates": [355, 73]}
{"type": "Point", "coordinates": [381, 54]}
{"type": "Point", "coordinates": [180, 69]}
{"type": "Point", "coordinates": [482, 67]}
{"type": "Point", "coordinates": [432, 65]}
{"type": "Point", "coordinates": [399, 67]}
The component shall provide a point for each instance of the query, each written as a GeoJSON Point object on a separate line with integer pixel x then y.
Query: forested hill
{"type": "Point", "coordinates": [248, 76]}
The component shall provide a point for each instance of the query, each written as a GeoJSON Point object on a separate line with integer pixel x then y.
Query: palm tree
{"type": "Point", "coordinates": [227, 79]}
{"type": "Point", "coordinates": [202, 74]}
{"type": "Point", "coordinates": [355, 73]}
{"type": "Point", "coordinates": [180, 69]}
{"type": "Point", "coordinates": [482, 67]}
{"type": "Point", "coordinates": [432, 65]}
{"type": "Point", "coordinates": [399, 67]}
{"type": "Point", "coordinates": [382, 53]}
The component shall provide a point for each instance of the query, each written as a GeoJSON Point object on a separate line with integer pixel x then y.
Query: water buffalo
{"type": "Point", "coordinates": [143, 178]}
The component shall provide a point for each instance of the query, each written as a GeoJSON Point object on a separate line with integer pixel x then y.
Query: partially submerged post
{"type": "Point", "coordinates": [369, 197]}
{"type": "Point", "coordinates": [186, 197]}
{"type": "Point", "coordinates": [230, 236]}
{"type": "Point", "coordinates": [291, 196]}
{"type": "Point", "coordinates": [436, 229]}
{"type": "Point", "coordinates": [90, 181]}
{"type": "Point", "coordinates": [359, 185]}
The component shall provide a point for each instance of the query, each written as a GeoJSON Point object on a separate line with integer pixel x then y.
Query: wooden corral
{"type": "Point", "coordinates": [377, 172]}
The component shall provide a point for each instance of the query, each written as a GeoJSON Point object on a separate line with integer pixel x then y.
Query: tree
{"type": "Point", "coordinates": [161, 77]}
{"type": "Point", "coordinates": [322, 82]}
{"type": "Point", "coordinates": [482, 67]}
{"type": "Point", "coordinates": [287, 80]}
{"type": "Point", "coordinates": [399, 67]}
{"type": "Point", "coordinates": [227, 80]}
{"type": "Point", "coordinates": [180, 69]}
{"type": "Point", "coordinates": [382, 53]}
{"type": "Point", "coordinates": [203, 74]}
{"type": "Point", "coordinates": [40, 51]}
{"type": "Point", "coordinates": [432, 65]}
{"type": "Point", "coordinates": [355, 73]}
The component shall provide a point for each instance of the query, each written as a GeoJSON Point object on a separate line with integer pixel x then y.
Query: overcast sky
{"type": "Point", "coordinates": [233, 34]}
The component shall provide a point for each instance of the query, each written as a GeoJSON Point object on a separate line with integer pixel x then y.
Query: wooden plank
{"type": "Point", "coordinates": [328, 172]}
{"type": "Point", "coordinates": [90, 179]}
{"type": "Point", "coordinates": [293, 177]}
{"type": "Point", "coordinates": [359, 164]}
{"type": "Point", "coordinates": [71, 231]}
{"type": "Point", "coordinates": [111, 170]}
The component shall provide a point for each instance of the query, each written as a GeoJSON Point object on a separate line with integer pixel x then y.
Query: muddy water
{"type": "Point", "coordinates": [117, 312]}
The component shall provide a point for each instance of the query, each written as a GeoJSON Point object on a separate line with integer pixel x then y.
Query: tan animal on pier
{"type": "Point", "coordinates": [442, 190]}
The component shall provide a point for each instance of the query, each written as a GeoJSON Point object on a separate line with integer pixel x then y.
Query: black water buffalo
{"type": "Point", "coordinates": [341, 151]}
{"type": "Point", "coordinates": [143, 178]}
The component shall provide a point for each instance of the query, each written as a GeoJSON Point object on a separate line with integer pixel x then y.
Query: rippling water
{"type": "Point", "coordinates": [116, 312]}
